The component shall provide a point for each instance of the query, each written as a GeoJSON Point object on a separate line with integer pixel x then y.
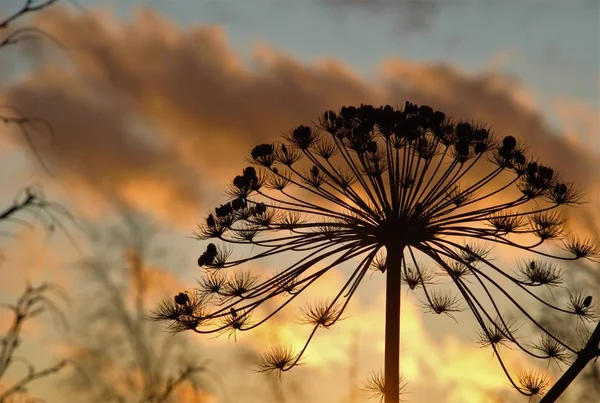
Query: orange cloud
{"type": "Point", "coordinates": [580, 123]}
{"type": "Point", "coordinates": [29, 258]}
{"type": "Point", "coordinates": [156, 114]}
{"type": "Point", "coordinates": [498, 100]}
{"type": "Point", "coordinates": [187, 394]}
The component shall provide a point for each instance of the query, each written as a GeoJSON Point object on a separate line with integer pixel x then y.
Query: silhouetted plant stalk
{"type": "Point", "coordinates": [123, 357]}
{"type": "Point", "coordinates": [33, 302]}
{"type": "Point", "coordinates": [32, 200]}
{"type": "Point", "coordinates": [399, 191]}
{"type": "Point", "coordinates": [10, 115]}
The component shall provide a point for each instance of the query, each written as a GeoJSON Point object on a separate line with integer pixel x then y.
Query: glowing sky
{"type": "Point", "coordinates": [162, 99]}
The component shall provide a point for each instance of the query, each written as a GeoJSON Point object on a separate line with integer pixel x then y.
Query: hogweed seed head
{"type": "Point", "coordinates": [364, 181]}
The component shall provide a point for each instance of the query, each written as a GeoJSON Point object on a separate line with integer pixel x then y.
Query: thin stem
{"type": "Point", "coordinates": [590, 351]}
{"type": "Point", "coordinates": [392, 323]}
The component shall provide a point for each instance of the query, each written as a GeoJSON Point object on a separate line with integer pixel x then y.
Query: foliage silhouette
{"type": "Point", "coordinates": [35, 300]}
{"type": "Point", "coordinates": [396, 190]}
{"type": "Point", "coordinates": [10, 115]}
{"type": "Point", "coordinates": [118, 356]}
{"type": "Point", "coordinates": [32, 199]}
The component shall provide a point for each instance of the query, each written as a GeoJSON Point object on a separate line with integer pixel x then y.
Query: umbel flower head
{"type": "Point", "coordinates": [407, 192]}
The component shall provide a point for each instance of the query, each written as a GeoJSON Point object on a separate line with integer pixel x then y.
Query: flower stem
{"type": "Point", "coordinates": [392, 323]}
{"type": "Point", "coordinates": [590, 351]}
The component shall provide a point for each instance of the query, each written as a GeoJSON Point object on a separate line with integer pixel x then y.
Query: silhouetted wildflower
{"type": "Point", "coordinates": [414, 277]}
{"type": "Point", "coordinates": [581, 306]}
{"type": "Point", "coordinates": [396, 191]}
{"type": "Point", "coordinates": [183, 312]}
{"type": "Point", "coordinates": [533, 383]}
{"type": "Point", "coordinates": [496, 333]}
{"type": "Point", "coordinates": [208, 257]}
{"type": "Point", "coordinates": [182, 299]}
{"type": "Point", "coordinates": [375, 385]}
{"type": "Point", "coordinates": [212, 284]}
{"type": "Point", "coordinates": [552, 349]}
{"type": "Point", "coordinates": [278, 359]}
{"type": "Point", "coordinates": [539, 273]}
{"type": "Point", "coordinates": [321, 314]}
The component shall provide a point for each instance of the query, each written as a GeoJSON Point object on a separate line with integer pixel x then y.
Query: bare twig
{"type": "Point", "coordinates": [20, 385]}
{"type": "Point", "coordinates": [33, 302]}
{"type": "Point", "coordinates": [18, 35]}
{"type": "Point", "coordinates": [33, 201]}
{"type": "Point", "coordinates": [28, 7]}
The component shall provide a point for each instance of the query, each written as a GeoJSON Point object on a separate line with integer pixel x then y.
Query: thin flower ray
{"type": "Point", "coordinates": [396, 190]}
{"type": "Point", "coordinates": [447, 252]}
{"type": "Point", "coordinates": [375, 385]}
{"type": "Point", "coordinates": [468, 295]}
{"type": "Point", "coordinates": [303, 284]}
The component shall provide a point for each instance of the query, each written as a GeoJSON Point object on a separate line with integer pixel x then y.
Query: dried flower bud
{"type": "Point", "coordinates": [480, 135]}
{"type": "Point", "coordinates": [509, 143]}
{"type": "Point", "coordinates": [410, 108]}
{"type": "Point", "coordinates": [303, 137]}
{"type": "Point", "coordinates": [426, 111]}
{"type": "Point", "coordinates": [464, 131]}
{"type": "Point", "coordinates": [348, 112]}
{"type": "Point", "coordinates": [182, 299]}
{"type": "Point", "coordinates": [260, 208]}
{"type": "Point", "coordinates": [532, 168]}
{"type": "Point", "coordinates": [238, 204]}
{"type": "Point", "coordinates": [262, 150]}
{"type": "Point", "coordinates": [438, 118]}
{"type": "Point", "coordinates": [224, 210]}
{"type": "Point", "coordinates": [240, 182]}
{"type": "Point", "coordinates": [208, 256]}
{"type": "Point", "coordinates": [210, 221]}
{"type": "Point", "coordinates": [249, 173]}
{"type": "Point", "coordinates": [519, 158]}
{"type": "Point", "coordinates": [263, 154]}
{"type": "Point", "coordinates": [480, 148]}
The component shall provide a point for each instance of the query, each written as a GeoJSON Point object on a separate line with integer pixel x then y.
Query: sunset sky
{"type": "Point", "coordinates": [156, 103]}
